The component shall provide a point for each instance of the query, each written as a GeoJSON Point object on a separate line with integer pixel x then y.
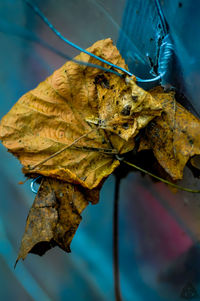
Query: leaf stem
{"type": "Point", "coordinates": [160, 179]}
{"type": "Point", "coordinates": [61, 150]}
{"type": "Point", "coordinates": [116, 240]}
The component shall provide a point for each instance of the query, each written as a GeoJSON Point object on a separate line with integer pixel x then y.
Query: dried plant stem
{"type": "Point", "coordinates": [161, 179]}
{"type": "Point", "coordinates": [115, 241]}
{"type": "Point", "coordinates": [62, 150]}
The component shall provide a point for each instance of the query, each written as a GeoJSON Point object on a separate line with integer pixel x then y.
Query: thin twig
{"type": "Point", "coordinates": [115, 241]}
{"type": "Point", "coordinates": [61, 150]}
{"type": "Point", "coordinates": [160, 179]}
{"type": "Point", "coordinates": [109, 151]}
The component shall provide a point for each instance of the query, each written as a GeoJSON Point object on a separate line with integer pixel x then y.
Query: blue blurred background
{"type": "Point", "coordinates": [159, 230]}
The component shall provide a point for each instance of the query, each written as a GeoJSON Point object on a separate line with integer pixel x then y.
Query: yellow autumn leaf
{"type": "Point", "coordinates": [95, 113]}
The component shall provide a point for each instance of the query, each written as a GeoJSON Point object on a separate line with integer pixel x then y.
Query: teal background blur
{"type": "Point", "coordinates": [159, 230]}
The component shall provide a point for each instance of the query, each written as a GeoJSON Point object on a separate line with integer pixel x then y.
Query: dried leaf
{"type": "Point", "coordinates": [70, 127]}
{"type": "Point", "coordinates": [54, 216]}
{"type": "Point", "coordinates": [174, 136]}
{"type": "Point", "coordinates": [69, 130]}
{"type": "Point", "coordinates": [195, 161]}
{"type": "Point", "coordinates": [69, 104]}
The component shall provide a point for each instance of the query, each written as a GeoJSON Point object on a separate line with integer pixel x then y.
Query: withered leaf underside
{"type": "Point", "coordinates": [55, 216]}
{"type": "Point", "coordinates": [174, 136]}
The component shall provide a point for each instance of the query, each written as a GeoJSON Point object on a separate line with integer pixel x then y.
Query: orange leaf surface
{"type": "Point", "coordinates": [69, 129]}
{"type": "Point", "coordinates": [78, 101]}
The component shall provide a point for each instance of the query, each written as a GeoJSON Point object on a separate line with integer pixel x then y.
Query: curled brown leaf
{"type": "Point", "coordinates": [174, 136]}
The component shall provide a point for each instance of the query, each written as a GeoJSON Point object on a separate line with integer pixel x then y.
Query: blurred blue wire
{"type": "Point", "coordinates": [26, 34]}
{"type": "Point", "coordinates": [42, 16]}
{"type": "Point", "coordinates": [48, 23]}
{"type": "Point", "coordinates": [122, 32]}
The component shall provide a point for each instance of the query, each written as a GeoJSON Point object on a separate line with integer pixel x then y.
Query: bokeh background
{"type": "Point", "coordinates": [159, 230]}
